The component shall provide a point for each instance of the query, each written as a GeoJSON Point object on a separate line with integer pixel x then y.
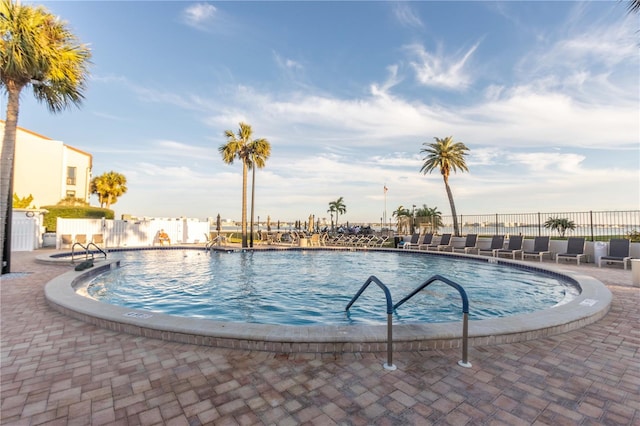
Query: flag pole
{"type": "Point", "coordinates": [385, 206]}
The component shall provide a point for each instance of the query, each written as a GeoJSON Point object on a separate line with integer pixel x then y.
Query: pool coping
{"type": "Point", "coordinates": [589, 306]}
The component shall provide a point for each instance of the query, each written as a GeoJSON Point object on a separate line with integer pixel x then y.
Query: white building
{"type": "Point", "coordinates": [48, 169]}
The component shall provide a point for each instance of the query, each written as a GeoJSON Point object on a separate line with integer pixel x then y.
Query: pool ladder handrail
{"type": "Point", "coordinates": [391, 307]}
{"type": "Point", "coordinates": [465, 311]}
{"type": "Point", "coordinates": [389, 364]}
{"type": "Point", "coordinates": [86, 250]}
{"type": "Point", "coordinates": [218, 240]}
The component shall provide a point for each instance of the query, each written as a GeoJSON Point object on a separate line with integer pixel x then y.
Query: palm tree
{"type": "Point", "coordinates": [559, 224]}
{"type": "Point", "coordinates": [108, 186]}
{"type": "Point", "coordinates": [331, 211]}
{"type": "Point", "coordinates": [446, 155]}
{"type": "Point", "coordinates": [97, 186]}
{"type": "Point", "coordinates": [240, 146]}
{"type": "Point", "coordinates": [399, 213]}
{"type": "Point", "coordinates": [338, 207]}
{"type": "Point", "coordinates": [431, 215]}
{"type": "Point", "coordinates": [36, 50]}
{"type": "Point", "coordinates": [260, 152]}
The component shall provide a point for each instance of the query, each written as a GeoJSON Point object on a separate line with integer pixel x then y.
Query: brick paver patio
{"type": "Point", "coordinates": [60, 371]}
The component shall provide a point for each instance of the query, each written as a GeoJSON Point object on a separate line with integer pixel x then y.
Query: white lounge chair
{"type": "Point", "coordinates": [470, 244]}
{"type": "Point", "coordinates": [575, 250]}
{"type": "Point", "coordinates": [497, 242]}
{"type": "Point", "coordinates": [540, 248]}
{"type": "Point", "coordinates": [618, 252]}
{"type": "Point", "coordinates": [513, 248]}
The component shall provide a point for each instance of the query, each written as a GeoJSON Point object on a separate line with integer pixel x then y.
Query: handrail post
{"type": "Point", "coordinates": [465, 337]}
{"type": "Point", "coordinates": [389, 364]}
{"type": "Point", "coordinates": [465, 311]}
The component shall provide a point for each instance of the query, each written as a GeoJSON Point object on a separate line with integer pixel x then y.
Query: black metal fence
{"type": "Point", "coordinates": [593, 225]}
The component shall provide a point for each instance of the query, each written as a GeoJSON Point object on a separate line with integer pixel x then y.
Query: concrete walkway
{"type": "Point", "coordinates": [59, 371]}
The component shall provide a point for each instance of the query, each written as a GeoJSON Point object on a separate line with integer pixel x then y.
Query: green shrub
{"type": "Point", "coordinates": [73, 212]}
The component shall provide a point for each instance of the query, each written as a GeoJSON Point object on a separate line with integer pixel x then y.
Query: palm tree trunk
{"type": "Point", "coordinates": [456, 230]}
{"type": "Point", "coordinates": [6, 174]}
{"type": "Point", "coordinates": [253, 199]}
{"type": "Point", "coordinates": [244, 204]}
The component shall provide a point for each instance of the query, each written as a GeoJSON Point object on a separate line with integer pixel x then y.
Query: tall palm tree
{"type": "Point", "coordinates": [239, 146]}
{"type": "Point", "coordinates": [108, 186]}
{"type": "Point", "coordinates": [260, 152]}
{"type": "Point", "coordinates": [338, 206]}
{"type": "Point", "coordinates": [445, 155]}
{"type": "Point", "coordinates": [39, 51]}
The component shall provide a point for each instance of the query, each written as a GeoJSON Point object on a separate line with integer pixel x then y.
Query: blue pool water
{"type": "Point", "coordinates": [313, 287]}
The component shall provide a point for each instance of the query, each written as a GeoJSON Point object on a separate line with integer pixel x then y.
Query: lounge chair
{"type": "Point", "coordinates": [470, 244]}
{"type": "Point", "coordinates": [497, 242]}
{"type": "Point", "coordinates": [66, 240]}
{"type": "Point", "coordinates": [575, 250]}
{"type": "Point", "coordinates": [97, 240]}
{"type": "Point", "coordinates": [81, 239]}
{"type": "Point", "coordinates": [513, 248]}
{"type": "Point", "coordinates": [540, 248]}
{"type": "Point", "coordinates": [314, 240]}
{"type": "Point", "coordinates": [443, 244]}
{"type": "Point", "coordinates": [426, 241]}
{"type": "Point", "coordinates": [412, 243]}
{"type": "Point", "coordinates": [381, 240]}
{"type": "Point", "coordinates": [618, 252]}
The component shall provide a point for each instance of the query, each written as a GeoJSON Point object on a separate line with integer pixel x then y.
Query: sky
{"type": "Point", "coordinates": [546, 96]}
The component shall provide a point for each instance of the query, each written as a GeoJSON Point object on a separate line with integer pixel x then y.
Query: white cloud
{"type": "Point", "coordinates": [438, 70]}
{"type": "Point", "coordinates": [287, 63]}
{"type": "Point", "coordinates": [406, 15]}
{"type": "Point", "coordinates": [199, 15]}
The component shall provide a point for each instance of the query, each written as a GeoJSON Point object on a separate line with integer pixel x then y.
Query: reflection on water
{"type": "Point", "coordinates": [314, 287]}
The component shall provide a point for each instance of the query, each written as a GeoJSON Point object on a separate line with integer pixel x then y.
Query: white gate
{"type": "Point", "coordinates": [26, 230]}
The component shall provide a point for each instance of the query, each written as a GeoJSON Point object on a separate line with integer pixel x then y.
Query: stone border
{"type": "Point", "coordinates": [589, 306]}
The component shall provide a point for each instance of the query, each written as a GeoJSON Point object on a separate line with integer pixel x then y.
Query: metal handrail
{"type": "Point", "coordinates": [465, 311]}
{"type": "Point", "coordinates": [216, 241]}
{"type": "Point", "coordinates": [389, 364]}
{"type": "Point", "coordinates": [86, 250]}
{"type": "Point", "coordinates": [97, 248]}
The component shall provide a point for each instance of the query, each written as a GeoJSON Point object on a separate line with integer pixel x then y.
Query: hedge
{"type": "Point", "coordinates": [73, 212]}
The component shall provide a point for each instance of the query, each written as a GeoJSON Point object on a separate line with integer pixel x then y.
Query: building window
{"type": "Point", "coordinates": [71, 194]}
{"type": "Point", "coordinates": [71, 175]}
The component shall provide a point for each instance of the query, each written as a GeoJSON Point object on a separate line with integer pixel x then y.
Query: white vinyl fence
{"type": "Point", "coordinates": [127, 233]}
{"type": "Point", "coordinates": [26, 230]}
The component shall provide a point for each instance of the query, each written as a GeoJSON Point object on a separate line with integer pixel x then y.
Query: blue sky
{"type": "Point", "coordinates": [545, 94]}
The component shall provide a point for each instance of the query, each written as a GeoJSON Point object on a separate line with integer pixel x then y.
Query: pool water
{"type": "Point", "coordinates": [313, 287]}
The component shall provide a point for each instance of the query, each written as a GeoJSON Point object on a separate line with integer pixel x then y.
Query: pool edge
{"type": "Point", "coordinates": [592, 304]}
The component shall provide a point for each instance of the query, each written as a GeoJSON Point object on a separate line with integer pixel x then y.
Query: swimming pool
{"type": "Point", "coordinates": [589, 306]}
{"type": "Point", "coordinates": [313, 287]}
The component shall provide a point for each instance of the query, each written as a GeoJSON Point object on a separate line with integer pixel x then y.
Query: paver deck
{"type": "Point", "coordinates": [56, 370]}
